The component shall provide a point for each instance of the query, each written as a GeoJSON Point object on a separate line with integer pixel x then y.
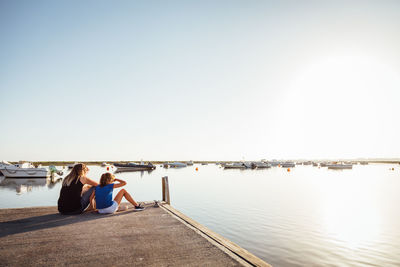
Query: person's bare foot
{"type": "Point", "coordinates": [90, 210]}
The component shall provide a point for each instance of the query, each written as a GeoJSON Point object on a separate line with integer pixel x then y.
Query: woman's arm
{"type": "Point", "coordinates": [86, 180]}
{"type": "Point", "coordinates": [121, 183]}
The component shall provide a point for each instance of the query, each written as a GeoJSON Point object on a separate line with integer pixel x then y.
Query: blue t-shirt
{"type": "Point", "coordinates": [104, 196]}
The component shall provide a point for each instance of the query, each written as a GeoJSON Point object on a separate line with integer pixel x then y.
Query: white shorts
{"type": "Point", "coordinates": [113, 208]}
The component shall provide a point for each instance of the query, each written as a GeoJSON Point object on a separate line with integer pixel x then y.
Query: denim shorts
{"type": "Point", "coordinates": [113, 208]}
{"type": "Point", "coordinates": [85, 198]}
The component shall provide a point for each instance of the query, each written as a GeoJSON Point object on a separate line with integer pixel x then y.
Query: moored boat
{"type": "Point", "coordinates": [132, 169]}
{"type": "Point", "coordinates": [177, 165]}
{"type": "Point", "coordinates": [23, 170]}
{"type": "Point", "coordinates": [339, 166]}
{"type": "Point", "coordinates": [128, 167]}
{"type": "Point", "coordinates": [4, 163]}
{"type": "Point", "coordinates": [288, 164]}
{"type": "Point", "coordinates": [260, 165]}
{"type": "Point", "coordinates": [234, 165]}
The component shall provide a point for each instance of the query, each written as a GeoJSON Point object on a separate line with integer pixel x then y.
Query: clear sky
{"type": "Point", "coordinates": [201, 80]}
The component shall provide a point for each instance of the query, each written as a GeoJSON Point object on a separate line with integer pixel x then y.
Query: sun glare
{"type": "Point", "coordinates": [342, 100]}
{"type": "Point", "coordinates": [353, 80]}
{"type": "Point", "coordinates": [350, 216]}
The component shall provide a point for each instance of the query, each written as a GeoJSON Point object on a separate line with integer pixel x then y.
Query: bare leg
{"type": "Point", "coordinates": [87, 198]}
{"type": "Point", "coordinates": [92, 201]}
{"type": "Point", "coordinates": [85, 188]}
{"type": "Point", "coordinates": [124, 193]}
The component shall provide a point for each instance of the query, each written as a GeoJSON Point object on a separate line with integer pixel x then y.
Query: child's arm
{"type": "Point", "coordinates": [121, 183]}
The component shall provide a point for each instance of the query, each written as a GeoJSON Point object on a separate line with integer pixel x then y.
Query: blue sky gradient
{"type": "Point", "coordinates": [201, 80]}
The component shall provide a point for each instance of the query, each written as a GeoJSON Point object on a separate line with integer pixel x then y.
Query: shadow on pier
{"type": "Point", "coordinates": [157, 236]}
{"type": "Point", "coordinates": [39, 222]}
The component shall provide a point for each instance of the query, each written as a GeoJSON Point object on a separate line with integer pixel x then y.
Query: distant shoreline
{"type": "Point", "coordinates": [387, 161]}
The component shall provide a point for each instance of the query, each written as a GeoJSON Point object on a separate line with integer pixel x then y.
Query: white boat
{"type": "Point", "coordinates": [189, 163]}
{"type": "Point", "coordinates": [339, 166]}
{"type": "Point", "coordinates": [23, 170]}
{"type": "Point", "coordinates": [4, 163]}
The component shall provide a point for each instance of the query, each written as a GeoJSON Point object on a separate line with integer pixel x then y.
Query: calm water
{"type": "Point", "coordinates": [305, 217]}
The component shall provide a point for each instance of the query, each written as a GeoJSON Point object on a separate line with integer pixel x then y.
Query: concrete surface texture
{"type": "Point", "coordinates": [153, 237]}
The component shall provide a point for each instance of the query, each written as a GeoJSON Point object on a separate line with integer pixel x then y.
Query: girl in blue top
{"type": "Point", "coordinates": [103, 195]}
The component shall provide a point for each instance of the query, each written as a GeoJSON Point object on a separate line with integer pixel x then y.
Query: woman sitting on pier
{"type": "Point", "coordinates": [71, 200]}
{"type": "Point", "coordinates": [103, 195]}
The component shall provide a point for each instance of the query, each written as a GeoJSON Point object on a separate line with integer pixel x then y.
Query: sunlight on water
{"type": "Point", "coordinates": [350, 212]}
{"type": "Point", "coordinates": [308, 216]}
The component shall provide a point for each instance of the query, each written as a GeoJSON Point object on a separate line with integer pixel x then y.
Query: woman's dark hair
{"type": "Point", "coordinates": [77, 172]}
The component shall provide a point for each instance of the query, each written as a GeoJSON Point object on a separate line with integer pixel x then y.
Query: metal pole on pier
{"type": "Point", "coordinates": [165, 190]}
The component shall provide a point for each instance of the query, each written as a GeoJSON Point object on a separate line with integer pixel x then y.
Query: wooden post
{"type": "Point", "coordinates": [165, 190]}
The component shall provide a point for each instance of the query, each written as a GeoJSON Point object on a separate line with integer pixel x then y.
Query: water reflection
{"type": "Point", "coordinates": [306, 217]}
{"type": "Point", "coordinates": [21, 185]}
{"type": "Point", "coordinates": [350, 211]}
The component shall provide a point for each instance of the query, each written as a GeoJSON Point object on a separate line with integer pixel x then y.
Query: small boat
{"type": "Point", "coordinates": [105, 164]}
{"type": "Point", "coordinates": [235, 165]}
{"type": "Point", "coordinates": [189, 163]}
{"type": "Point", "coordinates": [177, 165]}
{"type": "Point", "coordinates": [339, 166]}
{"type": "Point", "coordinates": [288, 164]}
{"type": "Point", "coordinates": [260, 165]}
{"type": "Point", "coordinates": [23, 170]}
{"type": "Point", "coordinates": [130, 167]}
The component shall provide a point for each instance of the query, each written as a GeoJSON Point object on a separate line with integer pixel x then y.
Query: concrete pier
{"type": "Point", "coordinates": [157, 236]}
